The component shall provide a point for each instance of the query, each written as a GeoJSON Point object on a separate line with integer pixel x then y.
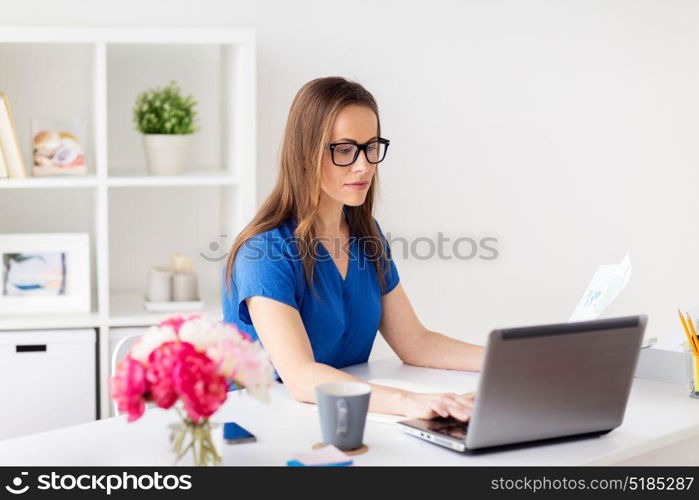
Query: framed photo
{"type": "Point", "coordinates": [45, 273]}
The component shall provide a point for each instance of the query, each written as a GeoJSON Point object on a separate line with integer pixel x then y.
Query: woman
{"type": "Point", "coordinates": [311, 276]}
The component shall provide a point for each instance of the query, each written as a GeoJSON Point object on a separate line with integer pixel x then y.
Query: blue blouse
{"type": "Point", "coordinates": [341, 316]}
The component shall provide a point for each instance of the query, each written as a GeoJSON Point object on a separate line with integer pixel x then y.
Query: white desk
{"type": "Point", "coordinates": [658, 416]}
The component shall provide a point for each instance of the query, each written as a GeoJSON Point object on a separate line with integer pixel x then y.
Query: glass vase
{"type": "Point", "coordinates": [196, 443]}
{"type": "Point", "coordinates": [692, 364]}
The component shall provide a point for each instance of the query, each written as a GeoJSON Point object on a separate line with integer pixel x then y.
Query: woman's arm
{"type": "Point", "coordinates": [416, 345]}
{"type": "Point", "coordinates": [284, 337]}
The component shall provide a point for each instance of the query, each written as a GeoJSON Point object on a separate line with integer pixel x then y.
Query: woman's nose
{"type": "Point", "coordinates": [361, 164]}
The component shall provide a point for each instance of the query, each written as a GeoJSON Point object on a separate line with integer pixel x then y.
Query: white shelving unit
{"type": "Point", "coordinates": [135, 220]}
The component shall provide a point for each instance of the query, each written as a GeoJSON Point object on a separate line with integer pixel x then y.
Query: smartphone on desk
{"type": "Point", "coordinates": [236, 434]}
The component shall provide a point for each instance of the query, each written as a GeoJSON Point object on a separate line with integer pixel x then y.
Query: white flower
{"type": "Point", "coordinates": [154, 337]}
{"type": "Point", "coordinates": [202, 333]}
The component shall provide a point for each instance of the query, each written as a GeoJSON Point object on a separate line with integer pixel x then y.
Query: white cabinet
{"type": "Point", "coordinates": [47, 380]}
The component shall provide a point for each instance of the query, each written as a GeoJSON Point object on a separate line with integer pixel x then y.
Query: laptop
{"type": "Point", "coordinates": [545, 383]}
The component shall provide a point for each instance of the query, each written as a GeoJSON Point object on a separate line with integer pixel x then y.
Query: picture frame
{"type": "Point", "coordinates": [45, 273]}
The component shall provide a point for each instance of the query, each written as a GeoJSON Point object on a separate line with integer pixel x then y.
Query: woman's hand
{"type": "Point", "coordinates": [428, 406]}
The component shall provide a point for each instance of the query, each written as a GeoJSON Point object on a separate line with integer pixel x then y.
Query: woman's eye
{"type": "Point", "coordinates": [345, 151]}
{"type": "Point", "coordinates": [371, 148]}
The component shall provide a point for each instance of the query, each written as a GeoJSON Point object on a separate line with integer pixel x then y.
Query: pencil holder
{"type": "Point", "coordinates": [692, 361]}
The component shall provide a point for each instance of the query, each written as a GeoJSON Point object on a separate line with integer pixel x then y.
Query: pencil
{"type": "Point", "coordinates": [692, 331]}
{"type": "Point", "coordinates": [695, 361]}
{"type": "Point", "coordinates": [694, 334]}
{"type": "Point", "coordinates": [688, 333]}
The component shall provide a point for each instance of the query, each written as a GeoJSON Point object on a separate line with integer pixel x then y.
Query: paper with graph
{"type": "Point", "coordinates": [605, 286]}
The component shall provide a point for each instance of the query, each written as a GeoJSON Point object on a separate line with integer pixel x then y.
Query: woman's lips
{"type": "Point", "coordinates": [358, 185]}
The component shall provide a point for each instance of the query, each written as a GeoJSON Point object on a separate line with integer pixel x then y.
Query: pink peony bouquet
{"type": "Point", "coordinates": [190, 360]}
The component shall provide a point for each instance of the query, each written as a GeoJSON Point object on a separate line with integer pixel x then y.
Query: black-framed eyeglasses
{"type": "Point", "coordinates": [344, 154]}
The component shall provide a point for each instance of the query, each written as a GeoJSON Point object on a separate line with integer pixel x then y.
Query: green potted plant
{"type": "Point", "coordinates": [167, 121]}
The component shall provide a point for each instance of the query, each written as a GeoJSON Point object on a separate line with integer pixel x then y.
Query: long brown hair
{"type": "Point", "coordinates": [298, 188]}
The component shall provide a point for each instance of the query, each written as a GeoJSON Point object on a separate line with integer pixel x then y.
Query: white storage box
{"type": "Point", "coordinates": [47, 380]}
{"type": "Point", "coordinates": [664, 361]}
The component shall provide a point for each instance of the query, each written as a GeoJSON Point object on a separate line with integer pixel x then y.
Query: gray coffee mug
{"type": "Point", "coordinates": [342, 408]}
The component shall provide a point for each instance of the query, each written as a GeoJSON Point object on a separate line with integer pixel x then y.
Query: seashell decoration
{"type": "Point", "coordinates": [57, 153]}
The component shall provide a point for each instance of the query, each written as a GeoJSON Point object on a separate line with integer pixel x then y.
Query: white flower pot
{"type": "Point", "coordinates": [166, 154]}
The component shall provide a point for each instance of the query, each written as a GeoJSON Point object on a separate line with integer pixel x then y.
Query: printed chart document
{"type": "Point", "coordinates": [606, 284]}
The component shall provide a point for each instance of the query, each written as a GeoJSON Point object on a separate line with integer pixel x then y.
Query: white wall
{"type": "Point", "coordinates": [567, 129]}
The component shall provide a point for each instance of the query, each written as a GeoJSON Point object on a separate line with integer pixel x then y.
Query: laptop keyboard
{"type": "Point", "coordinates": [450, 426]}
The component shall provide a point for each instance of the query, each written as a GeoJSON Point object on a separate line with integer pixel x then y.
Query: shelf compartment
{"type": "Point", "coordinates": [133, 68]}
{"type": "Point", "coordinates": [50, 82]}
{"type": "Point", "coordinates": [149, 224]}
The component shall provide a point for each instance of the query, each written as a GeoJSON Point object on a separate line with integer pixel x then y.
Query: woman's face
{"type": "Point", "coordinates": [349, 185]}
